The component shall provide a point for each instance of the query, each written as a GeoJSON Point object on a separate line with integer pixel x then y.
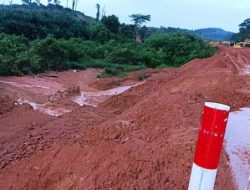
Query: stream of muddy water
{"type": "Point", "coordinates": [238, 146]}
{"type": "Point", "coordinates": [93, 98]}
{"type": "Point", "coordinates": [84, 99]}
{"type": "Point", "coordinates": [44, 108]}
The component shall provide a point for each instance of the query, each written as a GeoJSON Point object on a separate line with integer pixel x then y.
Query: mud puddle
{"type": "Point", "coordinates": [93, 98]}
{"type": "Point", "coordinates": [44, 108]}
{"type": "Point", "coordinates": [247, 70]}
{"type": "Point", "coordinates": [238, 146]}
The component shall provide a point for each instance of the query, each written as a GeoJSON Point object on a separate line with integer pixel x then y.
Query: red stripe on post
{"type": "Point", "coordinates": [211, 135]}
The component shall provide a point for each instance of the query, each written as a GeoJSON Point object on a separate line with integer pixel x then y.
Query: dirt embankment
{"type": "Point", "coordinates": [143, 138]}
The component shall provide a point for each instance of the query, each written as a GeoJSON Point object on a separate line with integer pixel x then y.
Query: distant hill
{"type": "Point", "coordinates": [211, 34]}
{"type": "Point", "coordinates": [216, 34]}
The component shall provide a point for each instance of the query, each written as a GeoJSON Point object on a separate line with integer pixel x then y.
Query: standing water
{"type": "Point", "coordinates": [238, 146]}
{"type": "Point", "coordinates": [247, 70]}
{"type": "Point", "coordinates": [44, 108]}
{"type": "Point", "coordinates": [93, 98]}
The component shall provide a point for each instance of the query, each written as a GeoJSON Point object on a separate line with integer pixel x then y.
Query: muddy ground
{"type": "Point", "coordinates": [140, 135]}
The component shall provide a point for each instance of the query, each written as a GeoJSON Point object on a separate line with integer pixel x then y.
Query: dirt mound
{"type": "Point", "coordinates": [143, 138]}
{"type": "Point", "coordinates": [112, 82]}
{"type": "Point", "coordinates": [126, 100]}
{"type": "Point", "coordinates": [64, 94]}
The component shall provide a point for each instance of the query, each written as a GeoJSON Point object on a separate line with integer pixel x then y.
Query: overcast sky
{"type": "Point", "coordinates": [189, 14]}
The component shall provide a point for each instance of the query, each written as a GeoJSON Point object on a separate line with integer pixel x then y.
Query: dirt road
{"type": "Point", "coordinates": [71, 130]}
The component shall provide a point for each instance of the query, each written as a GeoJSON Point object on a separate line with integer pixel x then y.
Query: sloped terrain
{"type": "Point", "coordinates": [143, 138]}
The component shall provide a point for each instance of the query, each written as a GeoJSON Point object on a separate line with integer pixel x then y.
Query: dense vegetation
{"type": "Point", "coordinates": [33, 21]}
{"type": "Point", "coordinates": [35, 39]}
{"type": "Point", "coordinates": [20, 56]}
{"type": "Point", "coordinates": [210, 34]}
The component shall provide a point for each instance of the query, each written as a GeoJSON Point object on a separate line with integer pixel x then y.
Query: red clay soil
{"type": "Point", "coordinates": [142, 139]}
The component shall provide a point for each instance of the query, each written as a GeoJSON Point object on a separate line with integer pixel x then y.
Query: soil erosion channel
{"type": "Point", "coordinates": [71, 130]}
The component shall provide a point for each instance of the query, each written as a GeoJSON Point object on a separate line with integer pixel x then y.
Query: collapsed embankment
{"type": "Point", "coordinates": [143, 138]}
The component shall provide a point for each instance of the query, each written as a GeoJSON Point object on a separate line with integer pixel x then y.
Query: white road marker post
{"type": "Point", "coordinates": [209, 146]}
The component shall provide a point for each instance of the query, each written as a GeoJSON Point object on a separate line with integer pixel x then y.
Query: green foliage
{"type": "Point", "coordinates": [244, 31]}
{"type": "Point", "coordinates": [143, 32]}
{"type": "Point", "coordinates": [112, 23]}
{"type": "Point", "coordinates": [13, 55]}
{"type": "Point", "coordinates": [33, 21]}
{"type": "Point", "coordinates": [175, 49]}
{"type": "Point", "coordinates": [36, 21]}
{"type": "Point", "coordinates": [128, 31]}
{"type": "Point", "coordinates": [19, 56]}
{"type": "Point", "coordinates": [139, 19]}
{"type": "Point", "coordinates": [158, 50]}
{"type": "Point", "coordinates": [50, 54]}
{"type": "Point", "coordinates": [54, 38]}
{"type": "Point", "coordinates": [125, 53]}
{"type": "Point", "coordinates": [214, 34]}
{"type": "Point", "coordinates": [98, 32]}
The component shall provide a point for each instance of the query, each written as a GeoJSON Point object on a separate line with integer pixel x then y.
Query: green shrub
{"type": "Point", "coordinates": [175, 49]}
{"type": "Point", "coordinates": [13, 55]}
{"type": "Point", "coordinates": [35, 21]}
{"type": "Point", "coordinates": [124, 54]}
{"type": "Point", "coordinates": [99, 33]}
{"type": "Point", "coordinates": [50, 54]}
{"type": "Point", "coordinates": [19, 56]}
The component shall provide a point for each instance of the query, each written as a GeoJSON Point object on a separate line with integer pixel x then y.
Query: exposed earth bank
{"type": "Point", "coordinates": [141, 135]}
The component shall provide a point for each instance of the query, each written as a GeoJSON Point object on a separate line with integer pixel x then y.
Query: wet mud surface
{"type": "Point", "coordinates": [71, 130]}
{"type": "Point", "coordinates": [238, 146]}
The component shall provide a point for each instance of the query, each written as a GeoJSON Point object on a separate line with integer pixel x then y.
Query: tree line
{"type": "Point", "coordinates": [36, 39]}
{"type": "Point", "coordinates": [35, 21]}
{"type": "Point", "coordinates": [244, 31]}
{"type": "Point", "coordinates": [73, 3]}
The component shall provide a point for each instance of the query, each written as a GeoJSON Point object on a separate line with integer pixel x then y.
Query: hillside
{"type": "Point", "coordinates": [37, 21]}
{"type": "Point", "coordinates": [214, 34]}
{"type": "Point", "coordinates": [33, 21]}
{"type": "Point", "coordinates": [35, 39]}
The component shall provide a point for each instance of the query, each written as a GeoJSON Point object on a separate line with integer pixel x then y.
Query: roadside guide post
{"type": "Point", "coordinates": [209, 146]}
